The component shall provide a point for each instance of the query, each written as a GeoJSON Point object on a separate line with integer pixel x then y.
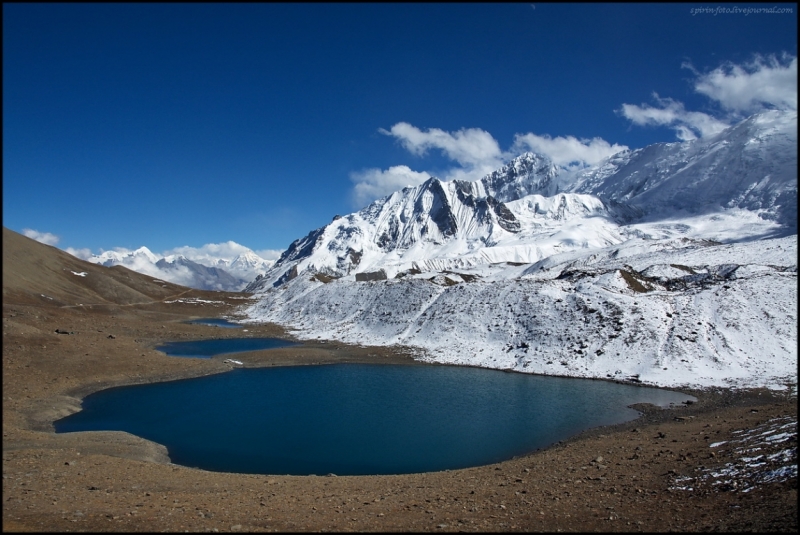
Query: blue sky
{"type": "Point", "coordinates": [171, 125]}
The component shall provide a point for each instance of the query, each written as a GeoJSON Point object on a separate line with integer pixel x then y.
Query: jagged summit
{"type": "Point", "coordinates": [411, 223]}
{"type": "Point", "coordinates": [526, 174]}
{"type": "Point", "coordinates": [247, 260]}
{"type": "Point", "coordinates": [446, 223]}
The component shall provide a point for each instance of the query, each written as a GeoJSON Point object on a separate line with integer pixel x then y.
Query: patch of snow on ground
{"type": "Point", "coordinates": [195, 301]}
{"type": "Point", "coordinates": [755, 459]}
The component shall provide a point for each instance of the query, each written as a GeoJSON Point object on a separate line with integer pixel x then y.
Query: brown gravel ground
{"type": "Point", "coordinates": [113, 481]}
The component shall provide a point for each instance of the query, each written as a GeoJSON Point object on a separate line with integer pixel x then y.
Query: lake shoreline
{"type": "Point", "coordinates": [114, 481]}
{"type": "Point", "coordinates": [430, 409]}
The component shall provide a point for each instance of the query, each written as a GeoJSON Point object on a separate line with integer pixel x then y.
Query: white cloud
{"type": "Point", "coordinates": [176, 274]}
{"type": "Point", "coordinates": [209, 252]}
{"type": "Point", "coordinates": [270, 254]}
{"type": "Point", "coordinates": [568, 150]}
{"type": "Point", "coordinates": [142, 265]}
{"type": "Point", "coordinates": [374, 183]}
{"type": "Point", "coordinates": [749, 88]}
{"type": "Point", "coordinates": [83, 254]}
{"type": "Point", "coordinates": [42, 237]}
{"type": "Point", "coordinates": [687, 124]}
{"type": "Point", "coordinates": [475, 152]}
{"type": "Point", "coordinates": [468, 146]}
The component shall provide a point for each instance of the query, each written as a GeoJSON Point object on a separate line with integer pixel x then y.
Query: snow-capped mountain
{"type": "Point", "coordinates": [178, 267]}
{"type": "Point", "coordinates": [440, 225]}
{"type": "Point", "coordinates": [125, 258]}
{"type": "Point", "coordinates": [203, 271]}
{"type": "Point", "coordinates": [751, 165]}
{"type": "Point", "coordinates": [674, 264]}
{"type": "Point", "coordinates": [526, 210]}
{"type": "Point", "coordinates": [247, 265]}
{"type": "Point", "coordinates": [662, 312]}
{"type": "Point", "coordinates": [526, 174]}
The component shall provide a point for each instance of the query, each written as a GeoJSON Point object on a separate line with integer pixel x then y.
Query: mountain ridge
{"type": "Point", "coordinates": [749, 166]}
{"type": "Point", "coordinates": [204, 272]}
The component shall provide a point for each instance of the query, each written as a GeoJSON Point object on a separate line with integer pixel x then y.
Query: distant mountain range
{"type": "Point", "coordinates": [205, 273]}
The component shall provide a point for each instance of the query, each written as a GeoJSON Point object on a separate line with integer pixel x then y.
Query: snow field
{"type": "Point", "coordinates": [725, 324]}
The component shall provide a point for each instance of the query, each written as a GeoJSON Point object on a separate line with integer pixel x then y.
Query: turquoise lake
{"type": "Point", "coordinates": [358, 419]}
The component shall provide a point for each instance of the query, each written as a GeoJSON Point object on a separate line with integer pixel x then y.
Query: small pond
{"type": "Point", "coordinates": [216, 322]}
{"type": "Point", "coordinates": [220, 346]}
{"type": "Point", "coordinates": [356, 419]}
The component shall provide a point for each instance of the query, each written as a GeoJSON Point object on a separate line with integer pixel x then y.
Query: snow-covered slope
{"type": "Point", "coordinates": [674, 264]}
{"type": "Point", "coordinates": [440, 225]}
{"type": "Point", "coordinates": [205, 272]}
{"type": "Point", "coordinates": [752, 165]}
{"type": "Point", "coordinates": [680, 313]}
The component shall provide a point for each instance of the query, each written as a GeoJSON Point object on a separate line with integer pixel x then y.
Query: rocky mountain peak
{"type": "Point", "coordinates": [526, 174]}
